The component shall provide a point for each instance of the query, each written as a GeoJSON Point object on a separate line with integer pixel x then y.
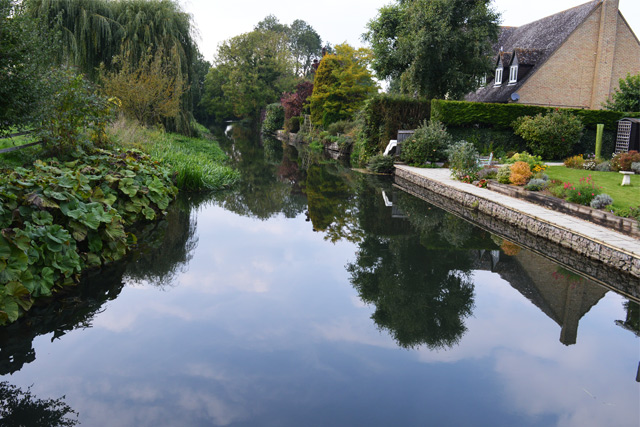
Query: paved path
{"type": "Point", "coordinates": [587, 229]}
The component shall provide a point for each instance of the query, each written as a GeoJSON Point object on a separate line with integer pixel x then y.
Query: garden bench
{"type": "Point", "coordinates": [485, 160]}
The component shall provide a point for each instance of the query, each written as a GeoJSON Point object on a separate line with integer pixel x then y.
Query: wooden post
{"type": "Point", "coordinates": [599, 131]}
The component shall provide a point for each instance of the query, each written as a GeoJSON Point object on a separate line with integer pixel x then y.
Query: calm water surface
{"type": "Point", "coordinates": [303, 298]}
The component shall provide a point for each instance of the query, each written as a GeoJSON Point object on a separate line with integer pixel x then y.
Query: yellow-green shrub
{"type": "Point", "coordinates": [520, 173]}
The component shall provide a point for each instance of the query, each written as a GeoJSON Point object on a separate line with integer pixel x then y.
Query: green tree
{"type": "Point", "coordinates": [342, 84]}
{"type": "Point", "coordinates": [255, 68]}
{"type": "Point", "coordinates": [272, 23]}
{"type": "Point", "coordinates": [24, 56]}
{"type": "Point", "coordinates": [305, 44]}
{"type": "Point", "coordinates": [148, 92]}
{"type": "Point", "coordinates": [434, 48]}
{"type": "Point", "coordinates": [627, 96]}
{"type": "Point", "coordinates": [216, 105]}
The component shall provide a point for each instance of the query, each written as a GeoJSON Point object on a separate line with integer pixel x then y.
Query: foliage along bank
{"type": "Point", "coordinates": [62, 217]}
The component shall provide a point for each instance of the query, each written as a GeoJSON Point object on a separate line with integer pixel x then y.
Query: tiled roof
{"type": "Point", "coordinates": [533, 44]}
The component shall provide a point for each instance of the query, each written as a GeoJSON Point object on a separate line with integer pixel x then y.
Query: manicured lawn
{"type": "Point", "coordinates": [623, 197]}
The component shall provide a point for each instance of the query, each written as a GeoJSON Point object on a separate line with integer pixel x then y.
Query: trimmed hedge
{"type": "Point", "coordinates": [385, 114]}
{"type": "Point", "coordinates": [501, 141]}
{"type": "Point", "coordinates": [501, 116]}
{"type": "Point", "coordinates": [498, 141]}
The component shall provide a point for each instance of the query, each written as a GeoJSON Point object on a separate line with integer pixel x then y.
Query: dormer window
{"type": "Point", "coordinates": [483, 80]}
{"type": "Point", "coordinates": [513, 74]}
{"type": "Point", "coordinates": [498, 79]}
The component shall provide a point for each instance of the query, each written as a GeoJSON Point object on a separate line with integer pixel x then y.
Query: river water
{"type": "Point", "coordinates": [311, 295]}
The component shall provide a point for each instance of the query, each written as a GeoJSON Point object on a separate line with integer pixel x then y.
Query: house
{"type": "Point", "coordinates": [572, 59]}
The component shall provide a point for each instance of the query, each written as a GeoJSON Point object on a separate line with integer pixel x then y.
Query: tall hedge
{"type": "Point", "coordinates": [501, 116]}
{"type": "Point", "coordinates": [384, 115]}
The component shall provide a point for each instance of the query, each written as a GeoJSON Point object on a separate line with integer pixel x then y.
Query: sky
{"type": "Point", "coordinates": [337, 21]}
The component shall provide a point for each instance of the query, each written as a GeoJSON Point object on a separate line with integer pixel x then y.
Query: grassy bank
{"type": "Point", "coordinates": [623, 197]}
{"type": "Point", "coordinates": [197, 161]}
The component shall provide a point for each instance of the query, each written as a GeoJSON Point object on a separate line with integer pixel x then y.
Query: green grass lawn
{"type": "Point", "coordinates": [623, 197]}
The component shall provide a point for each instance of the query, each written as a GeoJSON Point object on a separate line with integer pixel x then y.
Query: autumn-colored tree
{"type": "Point", "coordinates": [342, 84]}
{"type": "Point", "coordinates": [293, 103]}
{"type": "Point", "coordinates": [148, 92]}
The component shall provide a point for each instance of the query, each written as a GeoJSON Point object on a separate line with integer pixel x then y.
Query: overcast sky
{"type": "Point", "coordinates": [338, 21]}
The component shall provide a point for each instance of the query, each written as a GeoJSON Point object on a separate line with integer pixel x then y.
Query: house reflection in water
{"type": "Point", "coordinates": [562, 295]}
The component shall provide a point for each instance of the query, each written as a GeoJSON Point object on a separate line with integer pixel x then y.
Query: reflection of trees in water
{"type": "Point", "coordinates": [261, 192]}
{"type": "Point", "coordinates": [421, 296]}
{"type": "Point", "coordinates": [418, 274]}
{"type": "Point", "coordinates": [168, 246]}
{"type": "Point", "coordinates": [273, 151]}
{"type": "Point", "coordinates": [330, 201]}
{"type": "Point", "coordinates": [164, 248]}
{"type": "Point", "coordinates": [22, 408]}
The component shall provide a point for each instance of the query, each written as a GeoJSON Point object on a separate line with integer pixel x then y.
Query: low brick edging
{"type": "Point", "coordinates": [595, 250]}
{"type": "Point", "coordinates": [627, 226]}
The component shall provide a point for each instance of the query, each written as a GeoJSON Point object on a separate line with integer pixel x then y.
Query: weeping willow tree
{"type": "Point", "coordinates": [94, 32]}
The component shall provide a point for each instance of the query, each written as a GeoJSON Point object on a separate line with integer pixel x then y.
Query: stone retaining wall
{"type": "Point", "coordinates": [605, 264]}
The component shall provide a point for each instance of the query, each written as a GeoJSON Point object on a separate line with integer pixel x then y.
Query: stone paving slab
{"type": "Point", "coordinates": [579, 226]}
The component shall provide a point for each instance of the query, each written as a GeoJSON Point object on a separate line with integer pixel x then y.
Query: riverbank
{"type": "Point", "coordinates": [600, 244]}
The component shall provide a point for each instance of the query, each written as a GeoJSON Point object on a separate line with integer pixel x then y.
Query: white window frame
{"type": "Point", "coordinates": [483, 80]}
{"type": "Point", "coordinates": [498, 79]}
{"type": "Point", "coordinates": [513, 74]}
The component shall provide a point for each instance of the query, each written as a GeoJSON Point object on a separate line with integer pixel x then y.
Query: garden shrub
{"type": "Point", "coordinates": [582, 193]}
{"type": "Point", "coordinates": [463, 160]}
{"type": "Point", "coordinates": [292, 124]}
{"type": "Point", "coordinates": [536, 184]}
{"type": "Point", "coordinates": [341, 127]}
{"type": "Point", "coordinates": [590, 163]}
{"type": "Point", "coordinates": [604, 166]}
{"type": "Point", "coordinates": [635, 167]}
{"type": "Point", "coordinates": [623, 161]}
{"type": "Point", "coordinates": [503, 174]}
{"type": "Point", "coordinates": [535, 162]}
{"type": "Point", "coordinates": [427, 144]}
{"type": "Point", "coordinates": [74, 113]}
{"type": "Point", "coordinates": [601, 201]}
{"type": "Point", "coordinates": [381, 164]}
{"type": "Point", "coordinates": [551, 136]}
{"type": "Point", "coordinates": [488, 172]}
{"type": "Point", "coordinates": [520, 173]}
{"type": "Point", "coordinates": [274, 118]}
{"type": "Point", "coordinates": [574, 162]}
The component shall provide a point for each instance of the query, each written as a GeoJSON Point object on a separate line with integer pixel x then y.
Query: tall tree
{"type": "Point", "coordinates": [435, 48]}
{"type": "Point", "coordinates": [306, 45]}
{"type": "Point", "coordinates": [342, 84]}
{"type": "Point", "coordinates": [24, 55]}
{"type": "Point", "coordinates": [255, 68]}
{"type": "Point", "coordinates": [271, 23]}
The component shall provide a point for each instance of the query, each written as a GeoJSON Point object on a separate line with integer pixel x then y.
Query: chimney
{"type": "Point", "coordinates": [605, 53]}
